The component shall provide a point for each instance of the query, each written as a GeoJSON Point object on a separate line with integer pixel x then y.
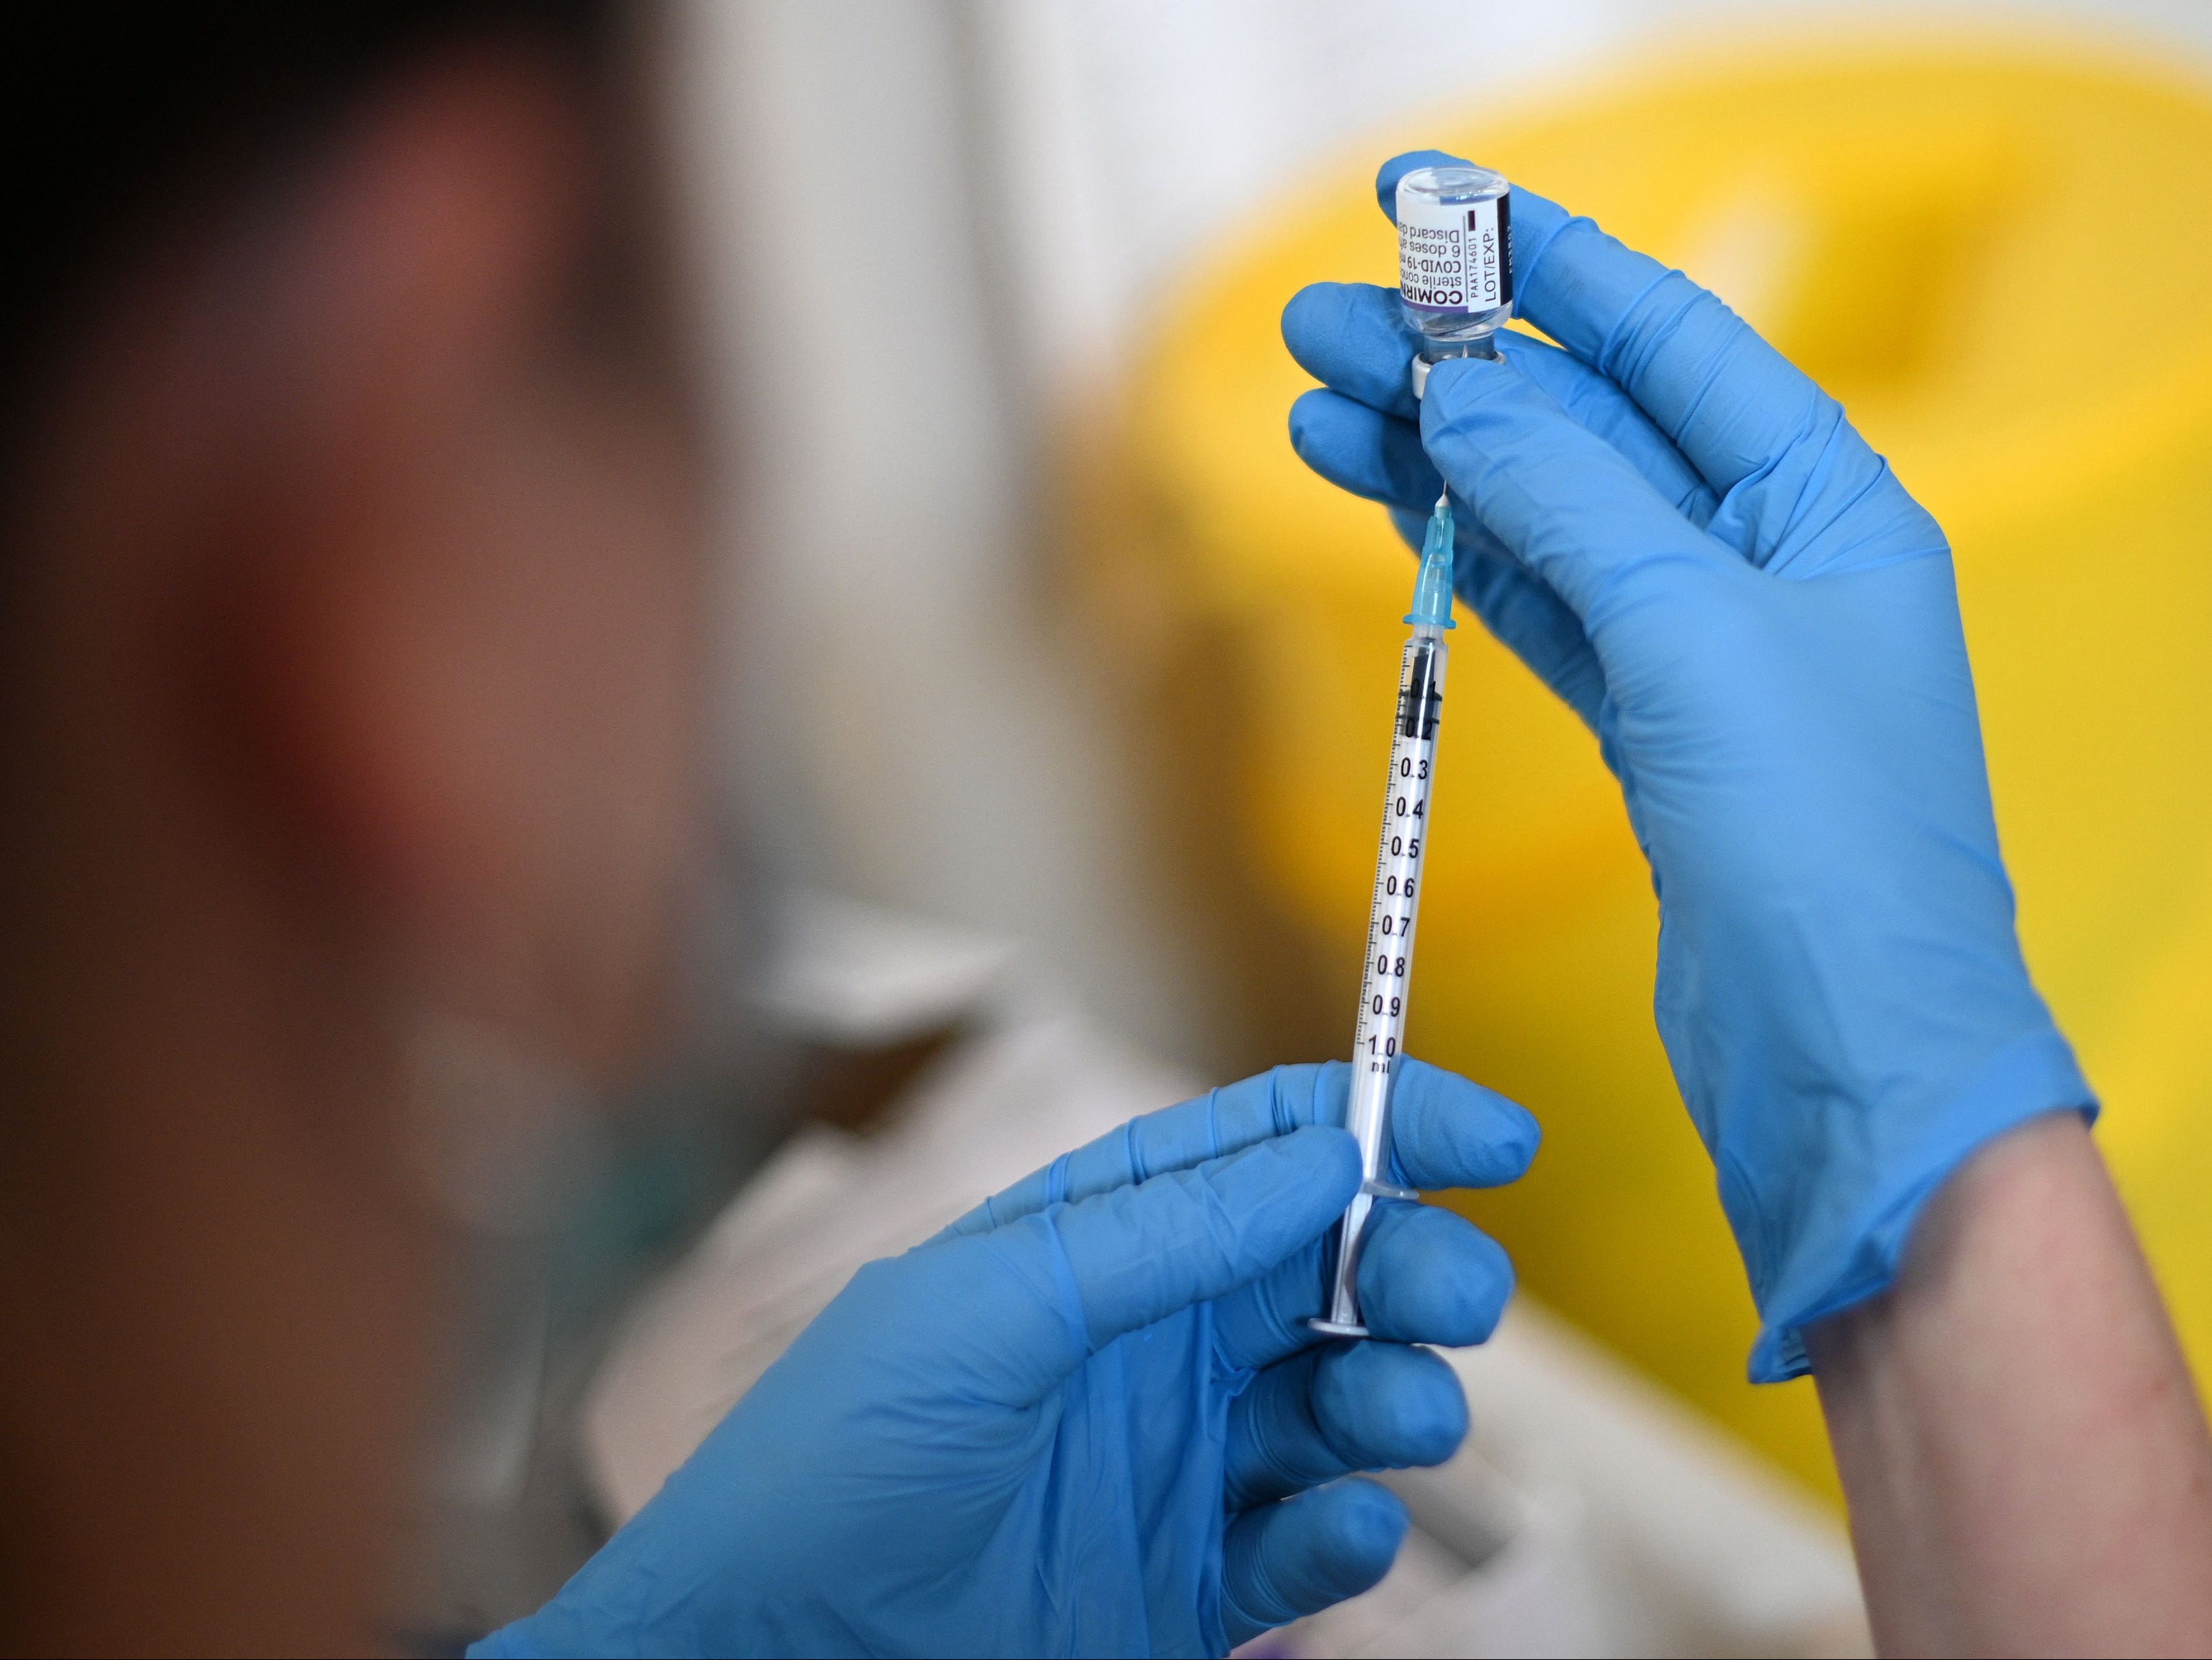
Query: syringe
{"type": "Point", "coordinates": [1378, 1040]}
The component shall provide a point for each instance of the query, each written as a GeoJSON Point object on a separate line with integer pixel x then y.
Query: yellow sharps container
{"type": "Point", "coordinates": [2041, 378]}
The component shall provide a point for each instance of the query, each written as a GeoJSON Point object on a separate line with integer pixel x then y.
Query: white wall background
{"type": "Point", "coordinates": [921, 223]}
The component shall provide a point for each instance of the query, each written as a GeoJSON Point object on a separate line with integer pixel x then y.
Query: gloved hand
{"type": "Point", "coordinates": [1088, 1417]}
{"type": "Point", "coordinates": [1683, 537]}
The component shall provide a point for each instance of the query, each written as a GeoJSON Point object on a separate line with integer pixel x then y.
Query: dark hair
{"type": "Point", "coordinates": [109, 109]}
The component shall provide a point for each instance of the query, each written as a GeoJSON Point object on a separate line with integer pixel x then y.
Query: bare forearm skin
{"type": "Point", "coordinates": [2025, 1456]}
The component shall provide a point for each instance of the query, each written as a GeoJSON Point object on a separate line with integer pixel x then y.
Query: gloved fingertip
{"type": "Point", "coordinates": [1389, 1404]}
{"type": "Point", "coordinates": [1387, 175]}
{"type": "Point", "coordinates": [1439, 1429]}
{"type": "Point", "coordinates": [1449, 1131]}
{"type": "Point", "coordinates": [1429, 1275]}
{"type": "Point", "coordinates": [1484, 1301]}
{"type": "Point", "coordinates": [1528, 1135]}
{"type": "Point", "coordinates": [1333, 1150]}
{"type": "Point", "coordinates": [1511, 1136]}
{"type": "Point", "coordinates": [1309, 315]}
{"type": "Point", "coordinates": [1294, 1558]}
{"type": "Point", "coordinates": [1307, 413]}
{"type": "Point", "coordinates": [1368, 1523]}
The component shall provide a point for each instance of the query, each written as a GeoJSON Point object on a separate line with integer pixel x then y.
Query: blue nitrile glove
{"type": "Point", "coordinates": [1088, 1417]}
{"type": "Point", "coordinates": [1686, 539]}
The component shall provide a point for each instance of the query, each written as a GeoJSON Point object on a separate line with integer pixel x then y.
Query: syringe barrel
{"type": "Point", "coordinates": [1378, 1036]}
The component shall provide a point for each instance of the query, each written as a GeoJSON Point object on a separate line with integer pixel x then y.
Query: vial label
{"type": "Point", "coordinates": [1455, 256]}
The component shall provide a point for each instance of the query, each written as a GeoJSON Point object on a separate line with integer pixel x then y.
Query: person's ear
{"type": "Point", "coordinates": [457, 592]}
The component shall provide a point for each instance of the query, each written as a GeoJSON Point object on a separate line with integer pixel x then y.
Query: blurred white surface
{"type": "Point", "coordinates": [859, 974]}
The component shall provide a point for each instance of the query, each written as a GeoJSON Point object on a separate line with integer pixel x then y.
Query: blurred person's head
{"type": "Point", "coordinates": [346, 691]}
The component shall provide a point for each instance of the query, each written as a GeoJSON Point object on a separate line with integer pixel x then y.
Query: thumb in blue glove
{"type": "Point", "coordinates": [1685, 539]}
{"type": "Point", "coordinates": [1089, 1417]}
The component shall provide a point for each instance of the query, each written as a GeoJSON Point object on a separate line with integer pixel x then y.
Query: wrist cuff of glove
{"type": "Point", "coordinates": [1850, 1255]}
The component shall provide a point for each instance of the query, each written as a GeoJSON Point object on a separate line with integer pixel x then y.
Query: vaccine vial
{"type": "Point", "coordinates": [1454, 261]}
